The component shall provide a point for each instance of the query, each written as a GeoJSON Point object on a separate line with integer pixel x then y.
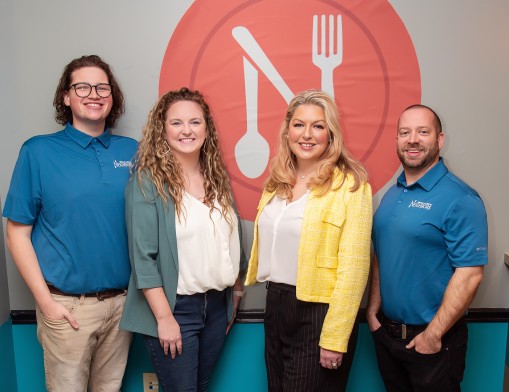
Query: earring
{"type": "Point", "coordinates": [168, 149]}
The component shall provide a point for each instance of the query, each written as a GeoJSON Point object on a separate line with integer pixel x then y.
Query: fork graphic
{"type": "Point", "coordinates": [327, 61]}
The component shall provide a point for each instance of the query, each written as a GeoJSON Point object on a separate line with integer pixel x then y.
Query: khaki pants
{"type": "Point", "coordinates": [93, 356]}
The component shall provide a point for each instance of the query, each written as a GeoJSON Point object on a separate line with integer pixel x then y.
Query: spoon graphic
{"type": "Point", "coordinates": [252, 150]}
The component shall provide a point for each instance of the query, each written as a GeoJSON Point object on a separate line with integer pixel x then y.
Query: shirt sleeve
{"type": "Point", "coordinates": [466, 232]}
{"type": "Point", "coordinates": [23, 201]}
{"type": "Point", "coordinates": [352, 272]}
{"type": "Point", "coordinates": [143, 239]}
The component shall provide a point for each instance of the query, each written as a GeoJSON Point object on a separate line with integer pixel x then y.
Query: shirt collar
{"type": "Point", "coordinates": [83, 139]}
{"type": "Point", "coordinates": [429, 179]}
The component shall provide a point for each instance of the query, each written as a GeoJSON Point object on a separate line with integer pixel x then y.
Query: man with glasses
{"type": "Point", "coordinates": [66, 231]}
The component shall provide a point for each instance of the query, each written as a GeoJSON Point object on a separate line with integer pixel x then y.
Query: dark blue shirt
{"type": "Point", "coordinates": [70, 187]}
{"type": "Point", "coordinates": [421, 233]}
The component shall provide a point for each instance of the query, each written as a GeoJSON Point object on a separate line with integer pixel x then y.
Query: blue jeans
{"type": "Point", "coordinates": [202, 319]}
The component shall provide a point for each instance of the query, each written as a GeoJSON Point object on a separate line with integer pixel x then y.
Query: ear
{"type": "Point", "coordinates": [67, 99]}
{"type": "Point", "coordinates": [441, 139]}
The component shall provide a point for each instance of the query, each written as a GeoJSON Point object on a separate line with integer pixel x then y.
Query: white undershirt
{"type": "Point", "coordinates": [279, 229]}
{"type": "Point", "coordinates": [208, 249]}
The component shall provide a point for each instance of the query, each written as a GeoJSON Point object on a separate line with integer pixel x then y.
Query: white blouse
{"type": "Point", "coordinates": [279, 228]}
{"type": "Point", "coordinates": [208, 249]}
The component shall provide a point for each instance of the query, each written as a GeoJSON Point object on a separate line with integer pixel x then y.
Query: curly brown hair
{"type": "Point", "coordinates": [63, 113]}
{"type": "Point", "coordinates": [154, 157]}
{"type": "Point", "coordinates": [284, 165]}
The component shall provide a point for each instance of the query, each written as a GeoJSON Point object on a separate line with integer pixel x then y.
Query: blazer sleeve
{"type": "Point", "coordinates": [142, 226]}
{"type": "Point", "coordinates": [352, 272]}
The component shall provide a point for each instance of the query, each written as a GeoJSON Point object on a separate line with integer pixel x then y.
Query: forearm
{"type": "Point", "coordinates": [374, 297]}
{"type": "Point", "coordinates": [457, 298]}
{"type": "Point", "coordinates": [20, 246]}
{"type": "Point", "coordinates": [158, 303]}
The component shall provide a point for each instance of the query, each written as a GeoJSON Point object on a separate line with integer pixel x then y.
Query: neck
{"type": "Point", "coordinates": [91, 129]}
{"type": "Point", "coordinates": [304, 171]}
{"type": "Point", "coordinates": [413, 175]}
{"type": "Point", "coordinates": [190, 165]}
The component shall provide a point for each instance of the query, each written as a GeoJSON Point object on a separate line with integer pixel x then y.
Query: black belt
{"type": "Point", "coordinates": [100, 295]}
{"type": "Point", "coordinates": [400, 330]}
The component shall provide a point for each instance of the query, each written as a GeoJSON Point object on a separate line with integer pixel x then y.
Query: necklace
{"type": "Point", "coordinates": [304, 176]}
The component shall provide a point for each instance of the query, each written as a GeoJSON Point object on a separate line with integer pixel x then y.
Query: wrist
{"type": "Point", "coordinates": [239, 293]}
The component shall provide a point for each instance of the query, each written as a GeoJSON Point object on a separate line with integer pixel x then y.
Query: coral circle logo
{"type": "Point", "coordinates": [250, 57]}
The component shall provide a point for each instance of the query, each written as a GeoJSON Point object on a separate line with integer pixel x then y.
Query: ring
{"type": "Point", "coordinates": [334, 364]}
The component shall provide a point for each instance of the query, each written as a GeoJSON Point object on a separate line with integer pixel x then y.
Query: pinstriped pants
{"type": "Point", "coordinates": [292, 354]}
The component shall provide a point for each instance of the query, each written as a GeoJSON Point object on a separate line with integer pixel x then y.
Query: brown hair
{"type": "Point", "coordinates": [63, 113]}
{"type": "Point", "coordinates": [154, 156]}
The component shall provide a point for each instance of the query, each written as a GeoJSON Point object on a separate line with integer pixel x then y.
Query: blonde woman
{"type": "Point", "coordinates": [312, 247]}
{"type": "Point", "coordinates": [184, 243]}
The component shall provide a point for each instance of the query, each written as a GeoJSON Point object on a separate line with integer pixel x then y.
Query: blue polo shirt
{"type": "Point", "coordinates": [421, 233]}
{"type": "Point", "coordinates": [70, 187]}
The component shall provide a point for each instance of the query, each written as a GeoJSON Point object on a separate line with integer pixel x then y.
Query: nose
{"type": "Point", "coordinates": [413, 138]}
{"type": "Point", "coordinates": [308, 132]}
{"type": "Point", "coordinates": [93, 92]}
{"type": "Point", "coordinates": [186, 129]}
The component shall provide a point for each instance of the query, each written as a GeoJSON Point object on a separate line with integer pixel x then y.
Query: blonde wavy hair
{"type": "Point", "coordinates": [284, 165]}
{"type": "Point", "coordinates": [155, 157]}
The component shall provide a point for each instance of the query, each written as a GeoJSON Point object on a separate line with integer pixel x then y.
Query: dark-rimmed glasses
{"type": "Point", "coordinates": [83, 90]}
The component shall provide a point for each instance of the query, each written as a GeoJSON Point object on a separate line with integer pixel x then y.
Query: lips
{"type": "Point", "coordinates": [307, 145]}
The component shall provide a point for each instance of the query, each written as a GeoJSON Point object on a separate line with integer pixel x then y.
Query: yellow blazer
{"type": "Point", "coordinates": [334, 255]}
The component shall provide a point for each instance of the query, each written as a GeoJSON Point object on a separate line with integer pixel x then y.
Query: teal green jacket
{"type": "Point", "coordinates": [153, 254]}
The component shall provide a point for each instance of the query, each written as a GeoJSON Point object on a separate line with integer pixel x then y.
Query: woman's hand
{"type": "Point", "coordinates": [168, 331]}
{"type": "Point", "coordinates": [330, 359]}
{"type": "Point", "coordinates": [238, 294]}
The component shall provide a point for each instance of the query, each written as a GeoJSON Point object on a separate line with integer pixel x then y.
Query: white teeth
{"type": "Point", "coordinates": [306, 145]}
{"type": "Point", "coordinates": [186, 140]}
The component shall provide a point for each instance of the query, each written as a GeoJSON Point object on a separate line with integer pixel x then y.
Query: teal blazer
{"type": "Point", "coordinates": [153, 254]}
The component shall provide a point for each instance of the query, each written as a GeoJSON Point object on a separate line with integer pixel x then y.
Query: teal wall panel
{"type": "Point", "coordinates": [241, 366]}
{"type": "Point", "coordinates": [7, 365]}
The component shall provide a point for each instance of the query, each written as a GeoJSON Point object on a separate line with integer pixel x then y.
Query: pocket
{"type": "Point", "coordinates": [333, 217]}
{"type": "Point", "coordinates": [327, 262]}
{"type": "Point", "coordinates": [69, 302]}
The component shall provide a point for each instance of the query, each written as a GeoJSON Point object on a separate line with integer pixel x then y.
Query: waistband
{"type": "Point", "coordinates": [281, 287]}
{"type": "Point", "coordinates": [400, 330]}
{"type": "Point", "coordinates": [100, 295]}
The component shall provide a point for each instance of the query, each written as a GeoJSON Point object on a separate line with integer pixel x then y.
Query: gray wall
{"type": "Point", "coordinates": [463, 52]}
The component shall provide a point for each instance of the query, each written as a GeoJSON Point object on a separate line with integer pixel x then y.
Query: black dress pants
{"type": "Point", "coordinates": [292, 354]}
{"type": "Point", "coordinates": [406, 370]}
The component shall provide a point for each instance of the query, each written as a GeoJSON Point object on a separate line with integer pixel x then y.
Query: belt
{"type": "Point", "coordinates": [400, 330]}
{"type": "Point", "coordinates": [100, 295]}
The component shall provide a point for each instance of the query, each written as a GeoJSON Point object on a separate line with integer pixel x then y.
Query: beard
{"type": "Point", "coordinates": [428, 156]}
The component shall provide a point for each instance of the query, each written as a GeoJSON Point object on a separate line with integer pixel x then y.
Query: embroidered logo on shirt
{"type": "Point", "coordinates": [420, 204]}
{"type": "Point", "coordinates": [118, 164]}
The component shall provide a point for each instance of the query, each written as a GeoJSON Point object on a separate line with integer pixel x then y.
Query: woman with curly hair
{"type": "Point", "coordinates": [312, 247]}
{"type": "Point", "coordinates": [184, 243]}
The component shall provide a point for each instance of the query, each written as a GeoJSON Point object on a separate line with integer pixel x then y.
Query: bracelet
{"type": "Point", "coordinates": [239, 293]}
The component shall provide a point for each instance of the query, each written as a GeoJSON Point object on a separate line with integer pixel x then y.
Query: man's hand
{"type": "Point", "coordinates": [56, 311]}
{"type": "Point", "coordinates": [424, 343]}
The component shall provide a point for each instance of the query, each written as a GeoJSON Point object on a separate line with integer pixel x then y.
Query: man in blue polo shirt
{"type": "Point", "coordinates": [430, 240]}
{"type": "Point", "coordinates": [66, 231]}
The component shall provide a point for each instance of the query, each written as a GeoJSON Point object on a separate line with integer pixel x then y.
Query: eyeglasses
{"type": "Point", "coordinates": [83, 90]}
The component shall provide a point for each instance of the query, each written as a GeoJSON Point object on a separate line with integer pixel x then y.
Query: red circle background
{"type": "Point", "coordinates": [378, 78]}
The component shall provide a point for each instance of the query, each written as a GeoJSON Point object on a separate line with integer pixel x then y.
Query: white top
{"type": "Point", "coordinates": [208, 249]}
{"type": "Point", "coordinates": [279, 228]}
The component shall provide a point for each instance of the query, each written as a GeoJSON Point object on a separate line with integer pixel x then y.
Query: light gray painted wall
{"type": "Point", "coordinates": [4, 287]}
{"type": "Point", "coordinates": [463, 51]}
